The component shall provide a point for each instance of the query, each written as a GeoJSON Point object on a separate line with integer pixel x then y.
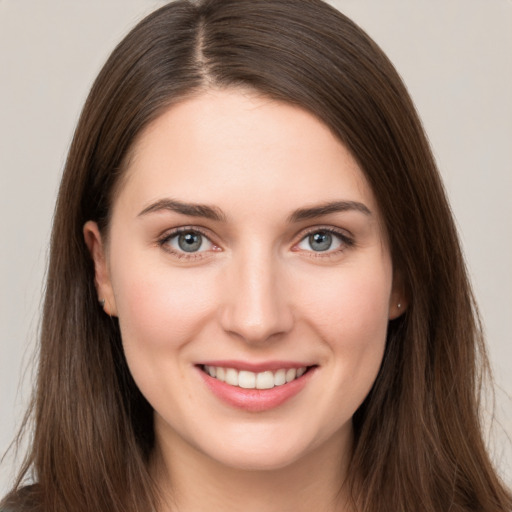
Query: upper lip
{"type": "Point", "coordinates": [255, 367]}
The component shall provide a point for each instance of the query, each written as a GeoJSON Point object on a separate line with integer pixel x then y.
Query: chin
{"type": "Point", "coordinates": [266, 449]}
{"type": "Point", "coordinates": [257, 460]}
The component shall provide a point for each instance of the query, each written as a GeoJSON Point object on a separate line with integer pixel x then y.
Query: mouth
{"type": "Point", "coordinates": [246, 379]}
{"type": "Point", "coordinates": [255, 388]}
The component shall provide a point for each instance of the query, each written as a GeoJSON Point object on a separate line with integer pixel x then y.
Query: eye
{"type": "Point", "coordinates": [187, 241]}
{"type": "Point", "coordinates": [323, 240]}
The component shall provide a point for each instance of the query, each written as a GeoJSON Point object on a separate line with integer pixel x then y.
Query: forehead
{"type": "Point", "coordinates": [232, 147]}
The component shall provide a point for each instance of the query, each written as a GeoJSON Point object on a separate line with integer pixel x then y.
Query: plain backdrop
{"type": "Point", "coordinates": [454, 55]}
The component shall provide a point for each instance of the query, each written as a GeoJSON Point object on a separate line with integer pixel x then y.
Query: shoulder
{"type": "Point", "coordinates": [24, 499]}
{"type": "Point", "coordinates": [13, 508]}
{"type": "Point", "coordinates": [16, 508]}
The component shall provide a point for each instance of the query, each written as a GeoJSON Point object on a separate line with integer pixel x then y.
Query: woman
{"type": "Point", "coordinates": [256, 297]}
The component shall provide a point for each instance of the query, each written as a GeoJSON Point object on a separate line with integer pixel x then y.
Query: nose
{"type": "Point", "coordinates": [255, 306]}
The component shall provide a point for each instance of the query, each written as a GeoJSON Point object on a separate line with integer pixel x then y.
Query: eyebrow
{"type": "Point", "coordinates": [189, 209]}
{"type": "Point", "coordinates": [216, 214]}
{"type": "Point", "coordinates": [326, 209]}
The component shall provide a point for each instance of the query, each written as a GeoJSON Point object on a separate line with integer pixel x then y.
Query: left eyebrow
{"type": "Point", "coordinates": [326, 209]}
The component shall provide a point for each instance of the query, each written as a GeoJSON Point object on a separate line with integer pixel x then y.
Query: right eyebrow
{"type": "Point", "coordinates": [189, 209]}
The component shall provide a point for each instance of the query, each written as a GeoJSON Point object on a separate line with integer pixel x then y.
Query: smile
{"type": "Point", "coordinates": [255, 387]}
{"type": "Point", "coordinates": [251, 380]}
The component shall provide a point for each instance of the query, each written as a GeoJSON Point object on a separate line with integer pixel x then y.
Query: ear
{"type": "Point", "coordinates": [102, 282]}
{"type": "Point", "coordinates": [398, 299]}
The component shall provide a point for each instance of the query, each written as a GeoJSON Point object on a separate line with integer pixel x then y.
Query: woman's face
{"type": "Point", "coordinates": [245, 242]}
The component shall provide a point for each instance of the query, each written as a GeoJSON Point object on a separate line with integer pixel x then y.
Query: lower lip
{"type": "Point", "coordinates": [256, 400]}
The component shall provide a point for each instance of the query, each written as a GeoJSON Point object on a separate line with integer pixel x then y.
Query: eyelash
{"type": "Point", "coordinates": [345, 240]}
{"type": "Point", "coordinates": [168, 236]}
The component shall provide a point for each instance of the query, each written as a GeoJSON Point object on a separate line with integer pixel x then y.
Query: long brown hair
{"type": "Point", "coordinates": [418, 443]}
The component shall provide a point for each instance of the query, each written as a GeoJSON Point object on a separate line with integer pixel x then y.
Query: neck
{"type": "Point", "coordinates": [191, 481]}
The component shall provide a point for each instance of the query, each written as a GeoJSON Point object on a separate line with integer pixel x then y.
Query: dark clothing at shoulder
{"type": "Point", "coordinates": [25, 499]}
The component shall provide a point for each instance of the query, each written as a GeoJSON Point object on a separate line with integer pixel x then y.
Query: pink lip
{"type": "Point", "coordinates": [255, 400]}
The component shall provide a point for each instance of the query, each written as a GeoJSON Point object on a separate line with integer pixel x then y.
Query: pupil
{"type": "Point", "coordinates": [320, 241]}
{"type": "Point", "coordinates": [190, 242]}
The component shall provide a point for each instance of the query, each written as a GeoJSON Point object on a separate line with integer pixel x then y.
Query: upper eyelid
{"type": "Point", "coordinates": [172, 232]}
{"type": "Point", "coordinates": [344, 233]}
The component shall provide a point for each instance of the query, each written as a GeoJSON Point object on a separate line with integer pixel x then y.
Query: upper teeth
{"type": "Point", "coordinates": [251, 380]}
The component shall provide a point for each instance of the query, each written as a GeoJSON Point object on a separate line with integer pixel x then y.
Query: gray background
{"type": "Point", "coordinates": [454, 55]}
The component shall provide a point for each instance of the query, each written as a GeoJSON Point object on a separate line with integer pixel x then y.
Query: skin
{"type": "Point", "coordinates": [256, 291]}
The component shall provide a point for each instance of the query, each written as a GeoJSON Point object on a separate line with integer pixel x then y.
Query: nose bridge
{"type": "Point", "coordinates": [255, 303]}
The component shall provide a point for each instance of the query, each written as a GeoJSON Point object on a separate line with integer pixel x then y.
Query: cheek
{"type": "Point", "coordinates": [349, 311]}
{"type": "Point", "coordinates": [351, 321]}
{"type": "Point", "coordinates": [351, 300]}
{"type": "Point", "coordinates": [159, 308]}
{"type": "Point", "coordinates": [160, 311]}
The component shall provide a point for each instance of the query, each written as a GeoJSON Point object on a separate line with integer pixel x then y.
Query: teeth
{"type": "Point", "coordinates": [265, 380]}
{"type": "Point", "coordinates": [280, 378]}
{"type": "Point", "coordinates": [246, 380]}
{"type": "Point", "coordinates": [291, 374]}
{"type": "Point", "coordinates": [221, 373]}
{"type": "Point", "coordinates": [231, 377]}
{"type": "Point", "coordinates": [250, 380]}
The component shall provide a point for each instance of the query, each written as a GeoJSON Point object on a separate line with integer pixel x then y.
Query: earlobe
{"type": "Point", "coordinates": [102, 282]}
{"type": "Point", "coordinates": [396, 309]}
{"type": "Point", "coordinates": [398, 299]}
